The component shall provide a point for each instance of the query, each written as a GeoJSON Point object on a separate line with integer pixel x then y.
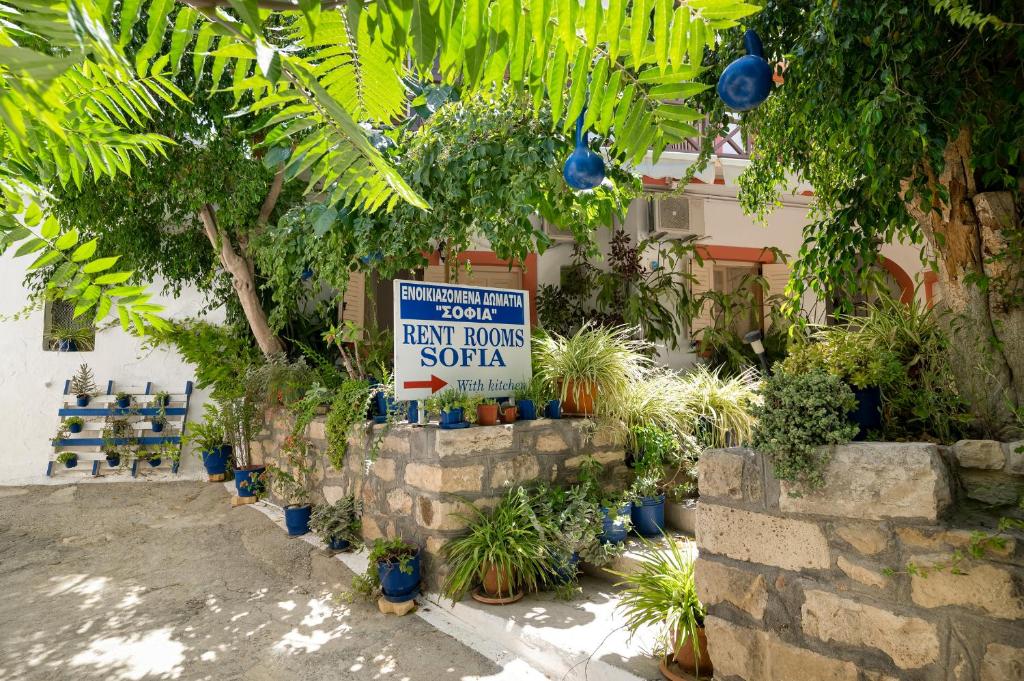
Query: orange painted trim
{"type": "Point", "coordinates": [489, 258]}
{"type": "Point", "coordinates": [930, 279]}
{"type": "Point", "coordinates": [736, 253]}
{"type": "Point", "coordinates": [656, 181]}
{"type": "Point", "coordinates": [901, 277]}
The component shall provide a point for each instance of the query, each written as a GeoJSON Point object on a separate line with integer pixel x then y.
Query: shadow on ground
{"type": "Point", "coordinates": [164, 581]}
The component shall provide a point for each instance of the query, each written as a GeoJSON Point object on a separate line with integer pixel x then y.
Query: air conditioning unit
{"type": "Point", "coordinates": [677, 217]}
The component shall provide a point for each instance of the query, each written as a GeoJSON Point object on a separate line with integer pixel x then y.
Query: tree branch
{"type": "Point", "coordinates": [271, 199]}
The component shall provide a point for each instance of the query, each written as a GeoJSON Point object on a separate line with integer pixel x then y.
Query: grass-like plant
{"type": "Point", "coordinates": [722, 406]}
{"type": "Point", "coordinates": [662, 594]}
{"type": "Point", "coordinates": [608, 359]}
{"type": "Point", "coordinates": [84, 337]}
{"type": "Point", "coordinates": [65, 457]}
{"type": "Point", "coordinates": [536, 389]}
{"type": "Point", "coordinates": [508, 538]}
{"type": "Point", "coordinates": [653, 399]}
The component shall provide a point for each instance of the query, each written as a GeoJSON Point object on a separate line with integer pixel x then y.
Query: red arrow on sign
{"type": "Point", "coordinates": [434, 384]}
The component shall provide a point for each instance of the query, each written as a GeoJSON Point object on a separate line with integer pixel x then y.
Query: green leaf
{"type": "Point", "coordinates": [102, 309]}
{"type": "Point", "coordinates": [695, 46]}
{"type": "Point", "coordinates": [66, 240]}
{"type": "Point", "coordinates": [249, 12]}
{"type": "Point", "coordinates": [615, 16]}
{"type": "Point", "coordinates": [30, 246]}
{"type": "Point", "coordinates": [662, 16]}
{"type": "Point", "coordinates": [677, 42]}
{"type": "Point", "coordinates": [556, 82]}
{"type": "Point", "coordinates": [638, 28]}
{"type": "Point", "coordinates": [85, 251]}
{"type": "Point", "coordinates": [113, 278]}
{"type": "Point", "coordinates": [100, 264]}
{"type": "Point", "coordinates": [44, 260]}
{"type": "Point", "coordinates": [578, 92]}
{"type": "Point", "coordinates": [268, 60]}
{"type": "Point", "coordinates": [677, 90]}
{"type": "Point", "coordinates": [50, 228]}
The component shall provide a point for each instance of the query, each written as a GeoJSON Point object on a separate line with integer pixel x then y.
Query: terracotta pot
{"type": "Point", "coordinates": [508, 413]}
{"type": "Point", "coordinates": [685, 659]}
{"type": "Point", "coordinates": [487, 414]}
{"type": "Point", "coordinates": [497, 583]}
{"type": "Point", "coordinates": [579, 399]}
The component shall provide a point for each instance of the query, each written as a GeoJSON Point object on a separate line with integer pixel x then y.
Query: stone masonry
{"type": "Point", "coordinates": [423, 477]}
{"type": "Point", "coordinates": [795, 584]}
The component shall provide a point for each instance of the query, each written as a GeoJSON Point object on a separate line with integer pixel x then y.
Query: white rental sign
{"type": "Point", "coordinates": [473, 338]}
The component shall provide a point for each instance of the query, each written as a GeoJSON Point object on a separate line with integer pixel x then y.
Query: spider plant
{"type": "Point", "coordinates": [507, 542]}
{"type": "Point", "coordinates": [600, 358]}
{"type": "Point", "coordinates": [71, 338]}
{"type": "Point", "coordinates": [662, 594]}
{"type": "Point", "coordinates": [654, 399]}
{"type": "Point", "coordinates": [721, 406]}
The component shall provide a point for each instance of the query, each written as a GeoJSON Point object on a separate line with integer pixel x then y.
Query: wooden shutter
{"type": "Point", "coordinates": [703, 281]}
{"type": "Point", "coordinates": [353, 307]}
{"type": "Point", "coordinates": [777, 276]}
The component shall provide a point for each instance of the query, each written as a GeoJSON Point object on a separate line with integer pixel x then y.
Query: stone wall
{"type": "Point", "coordinates": [795, 586]}
{"type": "Point", "coordinates": [423, 475]}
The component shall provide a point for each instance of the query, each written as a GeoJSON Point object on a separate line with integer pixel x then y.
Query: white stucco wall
{"type": "Point", "coordinates": [32, 380]}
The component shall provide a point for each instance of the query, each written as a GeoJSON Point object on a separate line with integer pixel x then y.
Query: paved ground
{"type": "Point", "coordinates": [165, 581]}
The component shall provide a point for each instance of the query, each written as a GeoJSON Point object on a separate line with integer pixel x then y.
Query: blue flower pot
{"type": "Point", "coordinates": [156, 426]}
{"type": "Point", "coordinates": [296, 518]}
{"type": "Point", "coordinates": [67, 345]}
{"type": "Point", "coordinates": [124, 402]}
{"type": "Point", "coordinates": [584, 169]}
{"type": "Point", "coordinates": [336, 544]}
{"type": "Point", "coordinates": [399, 586]}
{"type": "Point", "coordinates": [113, 461]}
{"type": "Point", "coordinates": [174, 466]}
{"type": "Point", "coordinates": [243, 479]}
{"type": "Point", "coordinates": [649, 516]}
{"type": "Point", "coordinates": [451, 417]}
{"type": "Point", "coordinates": [71, 463]}
{"type": "Point", "coordinates": [164, 401]}
{"type": "Point", "coordinates": [154, 462]}
{"type": "Point", "coordinates": [75, 428]}
{"type": "Point", "coordinates": [216, 461]}
{"type": "Point", "coordinates": [564, 571]}
{"type": "Point", "coordinates": [82, 401]}
{"type": "Point", "coordinates": [527, 410]}
{"type": "Point", "coordinates": [413, 415]}
{"type": "Point", "coordinates": [612, 531]}
{"type": "Point", "coordinates": [554, 409]}
{"type": "Point", "coordinates": [868, 414]}
{"type": "Point", "coordinates": [747, 82]}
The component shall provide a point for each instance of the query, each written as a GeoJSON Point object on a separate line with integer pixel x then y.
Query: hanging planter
{"type": "Point", "coordinates": [124, 400]}
{"type": "Point", "coordinates": [746, 82]}
{"type": "Point", "coordinates": [583, 169]}
{"type": "Point", "coordinates": [113, 460]}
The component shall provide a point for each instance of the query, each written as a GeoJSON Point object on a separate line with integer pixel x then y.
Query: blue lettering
{"type": "Point", "coordinates": [427, 357]}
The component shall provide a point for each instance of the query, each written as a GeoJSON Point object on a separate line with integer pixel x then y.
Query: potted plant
{"type": "Point", "coordinates": [158, 422]}
{"type": "Point", "coordinates": [161, 399]}
{"type": "Point", "coordinates": [71, 338]}
{"type": "Point", "coordinates": [573, 524]}
{"type": "Point", "coordinates": [83, 387]}
{"type": "Point", "coordinates": [74, 424]}
{"type": "Point", "coordinates": [553, 409]}
{"type": "Point", "coordinates": [590, 369]}
{"type": "Point", "coordinates": [393, 571]}
{"type": "Point", "coordinates": [504, 552]}
{"type": "Point", "coordinates": [209, 442]}
{"type": "Point", "coordinates": [151, 456]}
{"type": "Point", "coordinates": [615, 509]}
{"type": "Point", "coordinates": [452, 405]}
{"type": "Point", "coordinates": [124, 400]}
{"type": "Point", "coordinates": [487, 412]}
{"type": "Point", "coordinates": [292, 485]}
{"type": "Point", "coordinates": [112, 454]}
{"type": "Point", "coordinates": [69, 459]}
{"type": "Point", "coordinates": [528, 396]}
{"type": "Point", "coordinates": [654, 445]}
{"type": "Point", "coordinates": [508, 412]}
{"type": "Point", "coordinates": [338, 524]}
{"type": "Point", "coordinates": [661, 593]}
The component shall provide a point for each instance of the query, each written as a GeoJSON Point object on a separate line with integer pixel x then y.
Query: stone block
{"type": "Point", "coordinates": [332, 493]}
{"type": "Point", "coordinates": [444, 478]}
{"type": "Point", "coordinates": [522, 468]}
{"type": "Point", "coordinates": [866, 575]}
{"type": "Point", "coordinates": [995, 488]}
{"type": "Point", "coordinates": [400, 609]}
{"type": "Point", "coordinates": [720, 474]}
{"type": "Point", "coordinates": [468, 441]}
{"type": "Point", "coordinates": [317, 429]}
{"type": "Point", "coordinates": [551, 441]}
{"type": "Point", "coordinates": [371, 530]}
{"type": "Point", "coordinates": [877, 480]}
{"type": "Point", "coordinates": [434, 514]}
{"type": "Point", "coordinates": [985, 587]}
{"type": "Point", "coordinates": [783, 542]}
{"type": "Point", "coordinates": [941, 539]}
{"type": "Point", "coordinates": [399, 501]}
{"type": "Point", "coordinates": [911, 642]}
{"type": "Point", "coordinates": [762, 656]}
{"type": "Point", "coordinates": [987, 454]}
{"type": "Point", "coordinates": [384, 469]}
{"type": "Point", "coordinates": [396, 443]}
{"type": "Point", "coordinates": [605, 458]}
{"type": "Point", "coordinates": [1002, 663]}
{"type": "Point", "coordinates": [867, 539]}
{"type": "Point", "coordinates": [718, 583]}
{"type": "Point", "coordinates": [1014, 457]}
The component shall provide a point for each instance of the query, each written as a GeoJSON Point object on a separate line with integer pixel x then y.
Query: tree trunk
{"type": "Point", "coordinates": [244, 281]}
{"type": "Point", "coordinates": [970, 237]}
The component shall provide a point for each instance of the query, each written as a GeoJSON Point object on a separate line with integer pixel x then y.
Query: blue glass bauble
{"type": "Point", "coordinates": [746, 82]}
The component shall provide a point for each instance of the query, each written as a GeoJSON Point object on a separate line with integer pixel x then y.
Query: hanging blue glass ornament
{"type": "Point", "coordinates": [584, 169]}
{"type": "Point", "coordinates": [746, 82]}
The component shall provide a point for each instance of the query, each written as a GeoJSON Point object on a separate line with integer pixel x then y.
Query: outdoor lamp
{"type": "Point", "coordinates": [753, 339]}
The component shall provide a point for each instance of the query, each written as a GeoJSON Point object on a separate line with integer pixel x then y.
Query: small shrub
{"type": "Point", "coordinates": [800, 414]}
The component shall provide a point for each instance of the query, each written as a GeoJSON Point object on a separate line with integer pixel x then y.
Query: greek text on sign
{"type": "Point", "coordinates": [473, 338]}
